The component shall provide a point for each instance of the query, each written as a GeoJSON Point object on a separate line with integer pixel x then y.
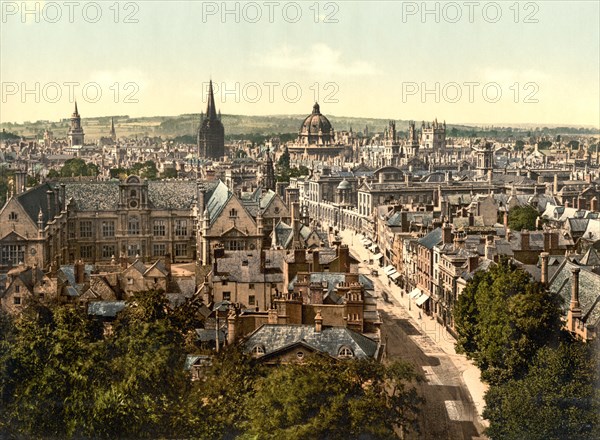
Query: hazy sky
{"type": "Point", "coordinates": [483, 62]}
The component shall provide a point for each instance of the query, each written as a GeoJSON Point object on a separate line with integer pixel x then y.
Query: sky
{"type": "Point", "coordinates": [463, 62]}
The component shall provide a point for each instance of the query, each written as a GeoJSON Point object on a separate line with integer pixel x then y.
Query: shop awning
{"type": "Point", "coordinates": [377, 256]}
{"type": "Point", "coordinates": [389, 269]}
{"type": "Point", "coordinates": [395, 276]}
{"type": "Point", "coordinates": [415, 293]}
{"type": "Point", "coordinates": [421, 300]}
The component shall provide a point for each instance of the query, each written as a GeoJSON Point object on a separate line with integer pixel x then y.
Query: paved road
{"type": "Point", "coordinates": [449, 412]}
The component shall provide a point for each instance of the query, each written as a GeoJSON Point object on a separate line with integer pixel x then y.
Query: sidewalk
{"type": "Point", "coordinates": [429, 326]}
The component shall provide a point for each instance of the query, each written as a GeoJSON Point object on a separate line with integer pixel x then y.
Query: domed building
{"type": "Point", "coordinates": [316, 129]}
{"type": "Point", "coordinates": [316, 139]}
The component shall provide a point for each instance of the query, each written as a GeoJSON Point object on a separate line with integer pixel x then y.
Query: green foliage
{"type": "Point", "coordinates": [8, 136]}
{"type": "Point", "coordinates": [61, 378]}
{"type": "Point", "coordinates": [169, 173]}
{"type": "Point", "coordinates": [146, 170]}
{"type": "Point", "coordinates": [522, 217]}
{"type": "Point", "coordinates": [284, 159]}
{"type": "Point", "coordinates": [519, 145]}
{"type": "Point", "coordinates": [323, 398]}
{"type": "Point", "coordinates": [503, 318]}
{"type": "Point", "coordinates": [77, 167]}
{"type": "Point", "coordinates": [557, 399]}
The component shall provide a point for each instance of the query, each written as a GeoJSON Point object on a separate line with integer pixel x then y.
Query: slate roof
{"type": "Point", "coordinates": [274, 337]}
{"type": "Point", "coordinates": [589, 291]}
{"type": "Point", "coordinates": [244, 267]}
{"type": "Point", "coordinates": [333, 279]}
{"type": "Point", "coordinates": [35, 199]}
{"type": "Point", "coordinates": [106, 309]}
{"type": "Point", "coordinates": [591, 258]}
{"type": "Point", "coordinates": [431, 239]}
{"type": "Point", "coordinates": [216, 198]}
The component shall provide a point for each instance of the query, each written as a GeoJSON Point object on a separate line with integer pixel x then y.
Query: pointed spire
{"type": "Point", "coordinates": [76, 112]}
{"type": "Point", "coordinates": [211, 111]}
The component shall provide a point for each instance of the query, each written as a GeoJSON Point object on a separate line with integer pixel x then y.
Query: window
{"type": "Point", "coordinates": [13, 216]}
{"type": "Point", "coordinates": [251, 300]}
{"type": "Point", "coordinates": [245, 263]}
{"type": "Point", "coordinates": [258, 350]}
{"type": "Point", "coordinates": [12, 254]}
{"type": "Point", "coordinates": [223, 283]}
{"type": "Point", "coordinates": [180, 249]}
{"type": "Point", "coordinates": [130, 281]}
{"type": "Point", "coordinates": [159, 250]}
{"type": "Point", "coordinates": [133, 250]}
{"type": "Point", "coordinates": [17, 289]}
{"type": "Point", "coordinates": [108, 228]}
{"type": "Point", "coordinates": [180, 228]}
{"type": "Point", "coordinates": [133, 226]}
{"type": "Point", "coordinates": [108, 251]}
{"type": "Point", "coordinates": [233, 213]}
{"type": "Point", "coordinates": [133, 193]}
{"type": "Point", "coordinates": [251, 286]}
{"type": "Point", "coordinates": [345, 352]}
{"type": "Point", "coordinates": [86, 252]}
{"type": "Point", "coordinates": [226, 296]}
{"type": "Point", "coordinates": [85, 229]}
{"type": "Point", "coordinates": [17, 300]}
{"type": "Point", "coordinates": [159, 228]}
{"type": "Point", "coordinates": [300, 354]}
{"type": "Point", "coordinates": [235, 245]}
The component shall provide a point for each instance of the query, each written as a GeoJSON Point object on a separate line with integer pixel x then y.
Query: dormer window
{"type": "Point", "coordinates": [258, 350]}
{"type": "Point", "coordinates": [345, 352]}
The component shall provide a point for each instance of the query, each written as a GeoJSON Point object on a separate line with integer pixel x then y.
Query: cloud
{"type": "Point", "coordinates": [316, 59]}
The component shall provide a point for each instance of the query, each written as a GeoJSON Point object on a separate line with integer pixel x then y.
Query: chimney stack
{"type": "Point", "coordinates": [316, 267]}
{"type": "Point", "coordinates": [544, 277]}
{"type": "Point", "coordinates": [447, 233]}
{"type": "Point", "coordinates": [272, 316]}
{"type": "Point", "coordinates": [524, 240]}
{"type": "Point", "coordinates": [50, 202]}
{"type": "Point", "coordinates": [79, 270]}
{"type": "Point", "coordinates": [318, 322]}
{"type": "Point", "coordinates": [316, 293]}
{"type": "Point", "coordinates": [574, 307]}
{"type": "Point", "coordinates": [594, 204]}
{"type": "Point", "coordinates": [20, 180]}
{"type": "Point", "coordinates": [344, 258]}
{"type": "Point", "coordinates": [231, 327]}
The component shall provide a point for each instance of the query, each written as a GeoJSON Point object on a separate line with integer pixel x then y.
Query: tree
{"type": "Point", "coordinates": [169, 173]}
{"type": "Point", "coordinates": [519, 145]}
{"type": "Point", "coordinates": [284, 159]}
{"type": "Point", "coordinates": [503, 318]}
{"type": "Point", "coordinates": [522, 217]}
{"type": "Point", "coordinates": [557, 399]}
{"type": "Point", "coordinates": [325, 398]}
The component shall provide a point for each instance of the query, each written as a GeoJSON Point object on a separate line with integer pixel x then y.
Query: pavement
{"type": "Point", "coordinates": [403, 319]}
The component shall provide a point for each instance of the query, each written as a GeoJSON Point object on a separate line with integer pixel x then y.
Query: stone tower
{"type": "Point", "coordinates": [211, 133]}
{"type": "Point", "coordinates": [75, 134]}
{"type": "Point", "coordinates": [269, 173]}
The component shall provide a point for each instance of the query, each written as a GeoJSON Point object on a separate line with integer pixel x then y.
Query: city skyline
{"type": "Point", "coordinates": [549, 67]}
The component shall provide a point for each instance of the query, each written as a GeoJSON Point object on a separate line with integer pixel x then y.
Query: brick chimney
{"type": "Point", "coordinates": [167, 263]}
{"type": "Point", "coordinates": [316, 293]}
{"type": "Point", "coordinates": [581, 203]}
{"type": "Point", "coordinates": [344, 258]}
{"type": "Point", "coordinates": [231, 327]}
{"type": "Point", "coordinates": [594, 204]}
{"type": "Point", "coordinates": [79, 270]}
{"type": "Point", "coordinates": [50, 202]}
{"type": "Point", "coordinates": [299, 256]}
{"type": "Point", "coordinates": [547, 244]}
{"type": "Point", "coordinates": [490, 249]}
{"type": "Point", "coordinates": [447, 233]}
{"type": "Point", "coordinates": [318, 322]}
{"type": "Point", "coordinates": [544, 276]}
{"type": "Point", "coordinates": [525, 240]}
{"type": "Point", "coordinates": [471, 219]}
{"type": "Point", "coordinates": [574, 307]}
{"type": "Point", "coordinates": [272, 316]}
{"type": "Point", "coordinates": [473, 263]}
{"type": "Point", "coordinates": [316, 267]}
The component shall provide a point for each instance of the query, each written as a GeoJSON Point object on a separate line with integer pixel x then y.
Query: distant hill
{"type": "Point", "coordinates": [237, 126]}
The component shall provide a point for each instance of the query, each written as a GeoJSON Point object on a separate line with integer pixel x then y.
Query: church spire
{"type": "Point", "coordinates": [113, 133]}
{"type": "Point", "coordinates": [211, 111]}
{"type": "Point", "coordinates": [76, 112]}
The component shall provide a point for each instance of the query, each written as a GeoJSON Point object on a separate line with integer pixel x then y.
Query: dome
{"type": "Point", "coordinates": [316, 128]}
{"type": "Point", "coordinates": [344, 184]}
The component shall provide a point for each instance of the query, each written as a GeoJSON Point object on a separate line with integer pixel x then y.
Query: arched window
{"type": "Point", "coordinates": [133, 193]}
{"type": "Point", "coordinates": [133, 226]}
{"type": "Point", "coordinates": [233, 213]}
{"type": "Point", "coordinates": [258, 350]}
{"type": "Point", "coordinates": [345, 352]}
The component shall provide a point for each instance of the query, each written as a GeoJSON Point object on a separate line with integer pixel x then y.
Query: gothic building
{"type": "Point", "coordinates": [433, 136]}
{"type": "Point", "coordinates": [75, 134]}
{"type": "Point", "coordinates": [211, 133]}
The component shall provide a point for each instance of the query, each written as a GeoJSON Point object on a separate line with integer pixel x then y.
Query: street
{"type": "Point", "coordinates": [449, 411]}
